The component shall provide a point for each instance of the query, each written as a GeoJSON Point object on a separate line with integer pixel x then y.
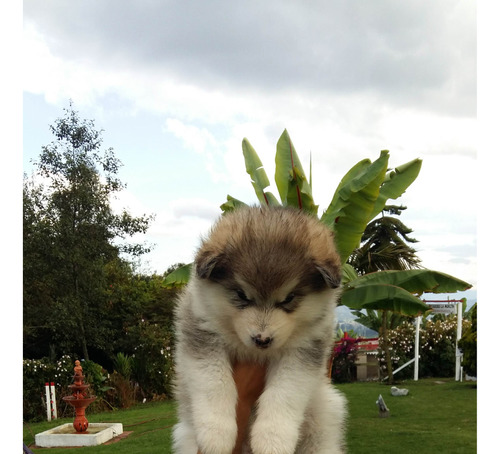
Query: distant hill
{"type": "Point", "coordinates": [346, 323]}
{"type": "Point", "coordinates": [346, 318]}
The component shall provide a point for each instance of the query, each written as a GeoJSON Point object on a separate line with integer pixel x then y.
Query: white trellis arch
{"type": "Point", "coordinates": [439, 307]}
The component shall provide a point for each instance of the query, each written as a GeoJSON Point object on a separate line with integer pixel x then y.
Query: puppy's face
{"type": "Point", "coordinates": [268, 322]}
{"type": "Point", "coordinates": [269, 274]}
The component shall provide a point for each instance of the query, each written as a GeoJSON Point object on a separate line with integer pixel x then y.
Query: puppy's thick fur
{"type": "Point", "coordinates": [263, 288]}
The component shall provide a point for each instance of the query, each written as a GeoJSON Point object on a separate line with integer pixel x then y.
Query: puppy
{"type": "Point", "coordinates": [263, 288]}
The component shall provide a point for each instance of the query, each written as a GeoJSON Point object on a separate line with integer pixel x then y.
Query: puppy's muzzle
{"type": "Point", "coordinates": [262, 342]}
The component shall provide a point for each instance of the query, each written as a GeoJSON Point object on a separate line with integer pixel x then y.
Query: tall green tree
{"type": "Point", "coordinates": [71, 235]}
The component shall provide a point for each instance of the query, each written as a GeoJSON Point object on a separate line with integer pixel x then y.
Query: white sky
{"type": "Point", "coordinates": [176, 85]}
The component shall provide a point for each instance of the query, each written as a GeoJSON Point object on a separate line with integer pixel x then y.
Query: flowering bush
{"type": "Point", "coordinates": [37, 372]}
{"type": "Point", "coordinates": [345, 354]}
{"type": "Point", "coordinates": [437, 347]}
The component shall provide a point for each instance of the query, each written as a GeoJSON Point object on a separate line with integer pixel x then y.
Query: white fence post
{"type": "Point", "coordinates": [47, 401]}
{"type": "Point", "coordinates": [417, 346]}
{"type": "Point", "coordinates": [458, 354]}
{"type": "Point", "coordinates": [50, 399]}
{"type": "Point", "coordinates": [53, 400]}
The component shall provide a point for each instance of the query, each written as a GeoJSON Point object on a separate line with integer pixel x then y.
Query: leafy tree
{"type": "Point", "coordinates": [38, 275]}
{"type": "Point", "coordinates": [71, 237]}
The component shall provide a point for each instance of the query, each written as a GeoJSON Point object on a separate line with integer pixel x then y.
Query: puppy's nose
{"type": "Point", "coordinates": [262, 342]}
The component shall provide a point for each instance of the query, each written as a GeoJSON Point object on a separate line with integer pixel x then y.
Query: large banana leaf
{"type": "Point", "coordinates": [414, 281]}
{"type": "Point", "coordinates": [255, 169]}
{"type": "Point", "coordinates": [178, 277]}
{"type": "Point", "coordinates": [290, 177]}
{"type": "Point", "coordinates": [383, 297]}
{"type": "Point", "coordinates": [329, 215]}
{"type": "Point", "coordinates": [396, 183]}
{"type": "Point", "coordinates": [231, 204]}
{"type": "Point", "coordinates": [353, 203]}
{"type": "Point", "coordinates": [348, 273]}
{"type": "Point", "coordinates": [396, 290]}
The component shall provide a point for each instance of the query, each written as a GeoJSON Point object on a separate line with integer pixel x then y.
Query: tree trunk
{"type": "Point", "coordinates": [83, 342]}
{"type": "Point", "coordinates": [385, 343]}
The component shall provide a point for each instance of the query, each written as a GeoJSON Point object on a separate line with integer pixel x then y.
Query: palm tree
{"type": "Point", "coordinates": [384, 246]}
{"type": "Point", "coordinates": [372, 318]}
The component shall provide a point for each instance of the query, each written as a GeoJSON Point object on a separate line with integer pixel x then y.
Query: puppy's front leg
{"type": "Point", "coordinates": [281, 407]}
{"type": "Point", "coordinates": [214, 400]}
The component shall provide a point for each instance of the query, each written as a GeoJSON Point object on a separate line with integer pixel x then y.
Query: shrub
{"type": "Point", "coordinates": [344, 360]}
{"type": "Point", "coordinates": [437, 347]}
{"type": "Point", "coordinates": [98, 379]}
{"type": "Point", "coordinates": [124, 390]}
{"type": "Point", "coordinates": [401, 345]}
{"type": "Point", "coordinates": [122, 393]}
{"type": "Point", "coordinates": [437, 355]}
{"type": "Point", "coordinates": [123, 365]}
{"type": "Point", "coordinates": [468, 345]}
{"type": "Point", "coordinates": [152, 365]}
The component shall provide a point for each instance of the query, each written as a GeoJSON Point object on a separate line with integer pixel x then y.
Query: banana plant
{"type": "Point", "coordinates": [179, 277]}
{"type": "Point", "coordinates": [360, 196]}
{"type": "Point", "coordinates": [398, 290]}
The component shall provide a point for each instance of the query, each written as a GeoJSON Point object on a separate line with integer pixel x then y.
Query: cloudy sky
{"type": "Point", "coordinates": [176, 85]}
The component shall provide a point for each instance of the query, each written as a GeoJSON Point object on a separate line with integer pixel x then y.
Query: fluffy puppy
{"type": "Point", "coordinates": [263, 288]}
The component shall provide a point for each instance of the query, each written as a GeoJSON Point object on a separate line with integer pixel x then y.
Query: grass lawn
{"type": "Point", "coordinates": [436, 416]}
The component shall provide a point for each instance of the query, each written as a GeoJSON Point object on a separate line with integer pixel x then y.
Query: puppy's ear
{"type": "Point", "coordinates": [331, 273]}
{"type": "Point", "coordinates": [205, 263]}
{"type": "Point", "coordinates": [210, 265]}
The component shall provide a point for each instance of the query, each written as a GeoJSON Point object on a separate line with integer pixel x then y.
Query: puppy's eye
{"type": "Point", "coordinates": [242, 296]}
{"type": "Point", "coordinates": [288, 303]}
{"type": "Point", "coordinates": [288, 299]}
{"type": "Point", "coordinates": [240, 299]}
